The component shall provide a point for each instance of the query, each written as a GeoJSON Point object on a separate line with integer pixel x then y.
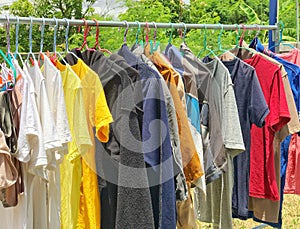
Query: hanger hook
{"type": "Point", "coordinates": [147, 32]}
{"type": "Point", "coordinates": [155, 32]}
{"type": "Point", "coordinates": [7, 28]}
{"type": "Point", "coordinates": [30, 35]}
{"type": "Point", "coordinates": [258, 30]}
{"type": "Point", "coordinates": [42, 34]}
{"type": "Point", "coordinates": [243, 34]}
{"type": "Point", "coordinates": [126, 30]}
{"type": "Point", "coordinates": [17, 34]}
{"type": "Point", "coordinates": [97, 33]}
{"type": "Point", "coordinates": [171, 34]}
{"type": "Point", "coordinates": [55, 33]}
{"type": "Point", "coordinates": [220, 36]}
{"type": "Point", "coordinates": [138, 32]}
{"type": "Point", "coordinates": [184, 32]}
{"type": "Point", "coordinates": [67, 34]}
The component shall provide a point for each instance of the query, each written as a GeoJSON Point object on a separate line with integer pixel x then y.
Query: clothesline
{"type": "Point", "coordinates": [78, 22]}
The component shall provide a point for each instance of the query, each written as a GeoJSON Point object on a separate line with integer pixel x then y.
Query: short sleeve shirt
{"type": "Point", "coordinates": [252, 109]}
{"type": "Point", "coordinates": [262, 168]}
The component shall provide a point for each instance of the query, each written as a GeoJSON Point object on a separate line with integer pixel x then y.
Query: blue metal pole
{"type": "Point", "coordinates": [272, 21]}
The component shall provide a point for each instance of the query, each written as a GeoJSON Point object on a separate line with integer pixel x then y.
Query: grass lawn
{"type": "Point", "coordinates": [290, 215]}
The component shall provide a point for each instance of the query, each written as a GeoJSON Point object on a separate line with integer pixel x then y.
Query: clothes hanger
{"type": "Point", "coordinates": [183, 37]}
{"type": "Point", "coordinates": [137, 32]}
{"type": "Point", "coordinates": [97, 45]}
{"type": "Point", "coordinates": [280, 42]}
{"type": "Point", "coordinates": [85, 34]}
{"type": "Point", "coordinates": [144, 44]}
{"type": "Point", "coordinates": [16, 53]}
{"type": "Point", "coordinates": [8, 61]}
{"type": "Point", "coordinates": [205, 47]}
{"type": "Point", "coordinates": [7, 72]}
{"type": "Point", "coordinates": [67, 51]}
{"type": "Point", "coordinates": [171, 34]}
{"type": "Point", "coordinates": [41, 54]}
{"type": "Point", "coordinates": [220, 48]}
{"type": "Point", "coordinates": [153, 44]}
{"type": "Point", "coordinates": [125, 33]}
{"type": "Point", "coordinates": [30, 56]}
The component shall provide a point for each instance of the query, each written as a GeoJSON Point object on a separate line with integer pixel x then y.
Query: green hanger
{"type": "Point", "coordinates": [280, 38]}
{"type": "Point", "coordinates": [137, 32]}
{"type": "Point", "coordinates": [9, 59]}
{"type": "Point", "coordinates": [205, 47]}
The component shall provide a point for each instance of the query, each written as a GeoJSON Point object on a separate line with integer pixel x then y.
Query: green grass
{"type": "Point", "coordinates": [290, 216]}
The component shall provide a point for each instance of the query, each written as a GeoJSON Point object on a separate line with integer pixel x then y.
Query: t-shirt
{"type": "Point", "coordinates": [71, 167]}
{"type": "Point", "coordinates": [98, 116]}
{"type": "Point", "coordinates": [193, 110]}
{"type": "Point", "coordinates": [252, 109]}
{"type": "Point", "coordinates": [223, 116]}
{"type": "Point", "coordinates": [262, 169]}
{"type": "Point", "coordinates": [54, 88]}
{"type": "Point", "coordinates": [181, 186]}
{"type": "Point", "coordinates": [292, 182]}
{"type": "Point", "coordinates": [50, 134]}
{"type": "Point", "coordinates": [190, 157]}
{"type": "Point", "coordinates": [156, 141]}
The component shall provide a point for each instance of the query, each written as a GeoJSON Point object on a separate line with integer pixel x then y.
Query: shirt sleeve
{"type": "Point", "coordinates": [103, 116]}
{"type": "Point", "coordinates": [233, 138]}
{"type": "Point", "coordinates": [258, 109]}
{"type": "Point", "coordinates": [279, 113]}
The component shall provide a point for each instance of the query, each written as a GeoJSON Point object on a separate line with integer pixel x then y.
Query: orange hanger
{"type": "Point", "coordinates": [85, 34]}
{"type": "Point", "coordinates": [97, 45]}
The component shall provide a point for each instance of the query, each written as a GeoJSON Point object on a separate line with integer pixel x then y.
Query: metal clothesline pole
{"type": "Point", "coordinates": [78, 22]}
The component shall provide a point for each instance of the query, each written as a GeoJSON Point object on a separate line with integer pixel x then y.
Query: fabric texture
{"type": "Point", "coordinates": [156, 141]}
{"type": "Point", "coordinates": [252, 109]}
{"type": "Point", "coordinates": [71, 166]}
{"type": "Point", "coordinates": [181, 185]}
{"type": "Point", "coordinates": [216, 207]}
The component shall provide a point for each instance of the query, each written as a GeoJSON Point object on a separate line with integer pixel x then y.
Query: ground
{"type": "Point", "coordinates": [291, 216]}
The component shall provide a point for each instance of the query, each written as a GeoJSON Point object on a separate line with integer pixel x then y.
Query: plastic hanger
{"type": "Point", "coordinates": [41, 55]}
{"type": "Point", "coordinates": [97, 45]}
{"type": "Point", "coordinates": [125, 32]}
{"type": "Point", "coordinates": [85, 34]}
{"type": "Point", "coordinates": [205, 47]}
{"type": "Point", "coordinates": [8, 61]}
{"type": "Point", "coordinates": [171, 34]}
{"type": "Point", "coordinates": [16, 53]}
{"type": "Point", "coordinates": [7, 72]}
{"type": "Point", "coordinates": [146, 37]}
{"type": "Point", "coordinates": [30, 56]}
{"type": "Point", "coordinates": [220, 48]}
{"type": "Point", "coordinates": [153, 44]}
{"type": "Point", "coordinates": [280, 39]}
{"type": "Point", "coordinates": [67, 41]}
{"type": "Point", "coordinates": [137, 32]}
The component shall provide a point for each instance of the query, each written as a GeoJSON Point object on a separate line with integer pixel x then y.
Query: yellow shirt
{"type": "Point", "coordinates": [71, 168]}
{"type": "Point", "coordinates": [99, 116]}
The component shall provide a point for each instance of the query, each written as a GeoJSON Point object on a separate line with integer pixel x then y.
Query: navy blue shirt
{"type": "Point", "coordinates": [156, 142]}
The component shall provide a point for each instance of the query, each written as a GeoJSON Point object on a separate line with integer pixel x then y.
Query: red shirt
{"type": "Point", "coordinates": [262, 183]}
